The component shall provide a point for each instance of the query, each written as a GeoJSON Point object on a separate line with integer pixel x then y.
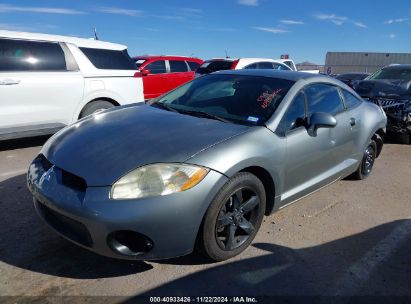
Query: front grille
{"type": "Point", "coordinates": [68, 227]}
{"type": "Point", "coordinates": [390, 105]}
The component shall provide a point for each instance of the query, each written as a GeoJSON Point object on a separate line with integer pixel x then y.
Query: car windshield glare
{"type": "Point", "coordinates": [241, 99]}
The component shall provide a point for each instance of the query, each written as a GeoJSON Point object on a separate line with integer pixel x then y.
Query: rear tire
{"type": "Point", "coordinates": [233, 218]}
{"type": "Point", "coordinates": [367, 162]}
{"type": "Point", "coordinates": [95, 106]}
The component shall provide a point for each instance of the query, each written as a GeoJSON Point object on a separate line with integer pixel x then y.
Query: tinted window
{"type": "Point", "coordinates": [252, 66]}
{"type": "Point", "coordinates": [323, 98]}
{"type": "Point", "coordinates": [20, 55]}
{"type": "Point", "coordinates": [289, 63]}
{"type": "Point", "coordinates": [294, 117]}
{"type": "Point", "coordinates": [281, 67]}
{"type": "Point", "coordinates": [157, 67]}
{"type": "Point", "coordinates": [109, 59]}
{"type": "Point", "coordinates": [178, 66]}
{"type": "Point", "coordinates": [139, 62]}
{"type": "Point", "coordinates": [241, 99]}
{"type": "Point", "coordinates": [350, 100]}
{"type": "Point", "coordinates": [193, 65]}
{"type": "Point", "coordinates": [393, 73]}
{"type": "Point", "coordinates": [265, 65]}
{"type": "Point", "coordinates": [214, 65]}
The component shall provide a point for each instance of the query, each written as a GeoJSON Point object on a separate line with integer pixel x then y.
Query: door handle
{"type": "Point", "coordinates": [9, 81]}
{"type": "Point", "coordinates": [352, 122]}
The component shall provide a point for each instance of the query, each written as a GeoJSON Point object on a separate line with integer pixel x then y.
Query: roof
{"type": "Point", "coordinates": [288, 75]}
{"type": "Point", "coordinates": [166, 57]}
{"type": "Point", "coordinates": [80, 42]}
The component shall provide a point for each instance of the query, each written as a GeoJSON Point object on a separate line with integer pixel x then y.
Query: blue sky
{"type": "Point", "coordinates": [245, 28]}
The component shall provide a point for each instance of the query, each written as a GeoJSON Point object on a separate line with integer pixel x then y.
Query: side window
{"type": "Point", "coordinates": [323, 98]}
{"type": "Point", "coordinates": [177, 66]}
{"type": "Point", "coordinates": [350, 100]}
{"type": "Point", "coordinates": [265, 65]}
{"type": "Point", "coordinates": [251, 66]}
{"type": "Point", "coordinates": [21, 55]}
{"type": "Point", "coordinates": [294, 117]}
{"type": "Point", "coordinates": [281, 67]}
{"type": "Point", "coordinates": [109, 59]}
{"type": "Point", "coordinates": [193, 65]}
{"type": "Point", "coordinates": [157, 67]}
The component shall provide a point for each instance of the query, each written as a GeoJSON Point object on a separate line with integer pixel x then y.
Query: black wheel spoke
{"type": "Point", "coordinates": [230, 239]}
{"type": "Point", "coordinates": [237, 198]}
{"type": "Point", "coordinates": [224, 220]}
{"type": "Point", "coordinates": [250, 204]}
{"type": "Point", "coordinates": [246, 226]}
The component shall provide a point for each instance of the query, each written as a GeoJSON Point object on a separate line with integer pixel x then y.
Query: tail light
{"type": "Point", "coordinates": [138, 74]}
{"type": "Point", "coordinates": [235, 62]}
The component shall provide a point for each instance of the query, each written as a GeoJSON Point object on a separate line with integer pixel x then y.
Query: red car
{"type": "Point", "coordinates": [164, 73]}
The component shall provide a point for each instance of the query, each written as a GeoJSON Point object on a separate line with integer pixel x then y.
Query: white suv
{"type": "Point", "coordinates": [48, 82]}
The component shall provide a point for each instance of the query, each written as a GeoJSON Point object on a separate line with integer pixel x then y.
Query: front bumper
{"type": "Point", "coordinates": [88, 217]}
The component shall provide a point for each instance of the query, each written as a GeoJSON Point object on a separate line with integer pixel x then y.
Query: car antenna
{"type": "Point", "coordinates": [226, 54]}
{"type": "Point", "coordinates": [95, 33]}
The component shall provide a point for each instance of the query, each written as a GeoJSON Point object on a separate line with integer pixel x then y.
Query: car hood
{"type": "Point", "coordinates": [103, 147]}
{"type": "Point", "coordinates": [393, 89]}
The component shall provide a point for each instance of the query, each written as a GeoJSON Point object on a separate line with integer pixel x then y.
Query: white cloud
{"type": "Point", "coordinates": [6, 8]}
{"type": "Point", "coordinates": [119, 11]}
{"type": "Point", "coordinates": [392, 36]}
{"type": "Point", "coordinates": [359, 24]}
{"type": "Point", "coordinates": [337, 20]}
{"type": "Point", "coordinates": [291, 22]}
{"type": "Point", "coordinates": [271, 30]}
{"type": "Point", "coordinates": [13, 27]}
{"type": "Point", "coordinates": [168, 17]}
{"type": "Point", "coordinates": [398, 20]}
{"type": "Point", "coordinates": [151, 29]}
{"type": "Point", "coordinates": [248, 2]}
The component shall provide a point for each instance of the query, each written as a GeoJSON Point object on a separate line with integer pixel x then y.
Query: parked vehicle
{"type": "Point", "coordinates": [390, 87]}
{"type": "Point", "coordinates": [350, 78]}
{"type": "Point", "coordinates": [203, 163]}
{"type": "Point", "coordinates": [164, 73]}
{"type": "Point", "coordinates": [48, 82]}
{"type": "Point", "coordinates": [220, 64]}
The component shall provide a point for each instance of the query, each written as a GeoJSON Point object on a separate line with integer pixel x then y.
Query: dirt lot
{"type": "Point", "coordinates": [349, 238]}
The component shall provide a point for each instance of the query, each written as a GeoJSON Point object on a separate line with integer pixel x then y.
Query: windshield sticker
{"type": "Point", "coordinates": [267, 97]}
{"type": "Point", "coordinates": [252, 118]}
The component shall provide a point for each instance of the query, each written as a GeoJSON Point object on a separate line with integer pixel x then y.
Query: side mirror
{"type": "Point", "coordinates": [320, 120]}
{"type": "Point", "coordinates": [145, 72]}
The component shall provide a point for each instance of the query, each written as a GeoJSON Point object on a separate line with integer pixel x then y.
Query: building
{"type": "Point", "coordinates": [304, 66]}
{"type": "Point", "coordinates": [345, 62]}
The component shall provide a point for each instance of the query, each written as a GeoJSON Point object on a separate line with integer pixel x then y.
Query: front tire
{"type": "Point", "coordinates": [367, 162]}
{"type": "Point", "coordinates": [234, 217]}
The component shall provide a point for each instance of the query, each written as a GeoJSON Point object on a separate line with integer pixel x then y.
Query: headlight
{"type": "Point", "coordinates": [158, 179]}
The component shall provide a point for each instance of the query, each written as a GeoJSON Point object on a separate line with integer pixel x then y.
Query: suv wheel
{"type": "Point", "coordinates": [95, 106]}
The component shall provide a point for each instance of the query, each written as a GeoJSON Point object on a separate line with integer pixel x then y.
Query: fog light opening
{"type": "Point", "coordinates": [129, 243]}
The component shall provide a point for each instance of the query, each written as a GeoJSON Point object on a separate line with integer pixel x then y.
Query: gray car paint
{"type": "Point", "coordinates": [102, 148]}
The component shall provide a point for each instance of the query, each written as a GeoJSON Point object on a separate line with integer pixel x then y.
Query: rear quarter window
{"type": "Point", "coordinates": [109, 59]}
{"type": "Point", "coordinates": [23, 55]}
{"type": "Point", "coordinates": [193, 65]}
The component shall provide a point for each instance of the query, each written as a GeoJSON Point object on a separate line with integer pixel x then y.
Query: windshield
{"type": "Point", "coordinates": [392, 74]}
{"type": "Point", "coordinates": [241, 99]}
{"type": "Point", "coordinates": [214, 65]}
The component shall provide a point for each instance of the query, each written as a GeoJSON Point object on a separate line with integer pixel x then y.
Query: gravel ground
{"type": "Point", "coordinates": [351, 238]}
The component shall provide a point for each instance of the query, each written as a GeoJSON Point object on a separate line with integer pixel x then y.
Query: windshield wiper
{"type": "Point", "coordinates": [204, 114]}
{"type": "Point", "coordinates": [163, 106]}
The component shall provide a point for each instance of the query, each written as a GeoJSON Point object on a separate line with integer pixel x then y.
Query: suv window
{"type": "Point", "coordinates": [323, 98]}
{"type": "Point", "coordinates": [252, 66]}
{"type": "Point", "coordinates": [109, 59]}
{"type": "Point", "coordinates": [294, 117]}
{"type": "Point", "coordinates": [265, 65]}
{"type": "Point", "coordinates": [281, 67]}
{"type": "Point", "coordinates": [178, 66]}
{"type": "Point", "coordinates": [157, 67]}
{"type": "Point", "coordinates": [193, 65]}
{"type": "Point", "coordinates": [350, 100]}
{"type": "Point", "coordinates": [22, 55]}
{"type": "Point", "coordinates": [214, 65]}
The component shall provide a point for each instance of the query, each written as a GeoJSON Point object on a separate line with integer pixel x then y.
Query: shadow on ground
{"type": "Point", "coordinates": [26, 242]}
{"type": "Point", "coordinates": [21, 143]}
{"type": "Point", "coordinates": [376, 262]}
